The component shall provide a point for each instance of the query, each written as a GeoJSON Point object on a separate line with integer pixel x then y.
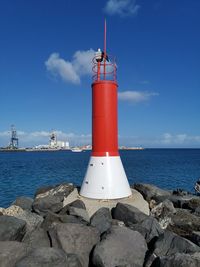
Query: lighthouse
{"type": "Point", "coordinates": [105, 177]}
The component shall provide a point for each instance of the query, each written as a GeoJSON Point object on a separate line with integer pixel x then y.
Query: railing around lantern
{"type": "Point", "coordinates": [104, 68]}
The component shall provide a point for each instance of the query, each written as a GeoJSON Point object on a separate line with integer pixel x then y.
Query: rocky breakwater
{"type": "Point", "coordinates": [57, 228]}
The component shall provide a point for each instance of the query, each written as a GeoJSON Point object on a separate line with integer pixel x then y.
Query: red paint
{"type": "Point", "coordinates": [104, 118]}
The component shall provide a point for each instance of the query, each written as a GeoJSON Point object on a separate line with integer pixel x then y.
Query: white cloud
{"type": "Point", "coordinates": [135, 96]}
{"type": "Point", "coordinates": [178, 139]}
{"type": "Point", "coordinates": [122, 8]}
{"type": "Point", "coordinates": [71, 71]}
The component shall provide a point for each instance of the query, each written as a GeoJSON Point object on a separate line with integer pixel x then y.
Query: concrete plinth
{"type": "Point", "coordinates": [92, 205]}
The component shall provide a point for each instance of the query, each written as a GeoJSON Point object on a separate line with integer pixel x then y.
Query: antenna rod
{"type": "Point", "coordinates": [105, 39]}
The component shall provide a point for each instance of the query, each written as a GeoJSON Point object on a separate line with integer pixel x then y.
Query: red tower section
{"type": "Point", "coordinates": [104, 115]}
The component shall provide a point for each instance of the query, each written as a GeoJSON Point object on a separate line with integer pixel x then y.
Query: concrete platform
{"type": "Point", "coordinates": [92, 205]}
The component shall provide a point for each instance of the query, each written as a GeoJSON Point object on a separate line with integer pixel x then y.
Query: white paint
{"type": "Point", "coordinates": [105, 179]}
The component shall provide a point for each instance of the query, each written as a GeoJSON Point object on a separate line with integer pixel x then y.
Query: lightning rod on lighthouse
{"type": "Point", "coordinates": [105, 177]}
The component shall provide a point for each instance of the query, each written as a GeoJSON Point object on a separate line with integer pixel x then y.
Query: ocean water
{"type": "Point", "coordinates": [23, 172]}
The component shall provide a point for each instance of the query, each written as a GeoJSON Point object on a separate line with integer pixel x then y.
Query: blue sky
{"type": "Point", "coordinates": [45, 74]}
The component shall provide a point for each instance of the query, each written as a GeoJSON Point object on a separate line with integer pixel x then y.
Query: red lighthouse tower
{"type": "Point", "coordinates": [105, 177]}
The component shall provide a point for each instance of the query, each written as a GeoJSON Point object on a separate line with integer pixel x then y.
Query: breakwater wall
{"type": "Point", "coordinates": [58, 228]}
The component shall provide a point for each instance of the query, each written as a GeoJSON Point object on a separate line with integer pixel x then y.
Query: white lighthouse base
{"type": "Point", "coordinates": [105, 179]}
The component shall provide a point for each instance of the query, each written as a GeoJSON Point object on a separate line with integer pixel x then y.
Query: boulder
{"type": "Point", "coordinates": [193, 204]}
{"type": "Point", "coordinates": [163, 209]}
{"type": "Point", "coordinates": [128, 213]}
{"type": "Point", "coordinates": [41, 257]}
{"type": "Point", "coordinates": [102, 219]}
{"type": "Point", "coordinates": [170, 243]}
{"type": "Point", "coordinates": [76, 204]}
{"type": "Point", "coordinates": [62, 190]}
{"type": "Point", "coordinates": [48, 203]}
{"type": "Point", "coordinates": [183, 222]}
{"type": "Point", "coordinates": [197, 211]}
{"type": "Point", "coordinates": [75, 239]}
{"type": "Point", "coordinates": [149, 229]}
{"type": "Point", "coordinates": [151, 191]}
{"type": "Point", "coordinates": [24, 202]}
{"type": "Point", "coordinates": [79, 213]}
{"type": "Point", "coordinates": [11, 252]}
{"type": "Point", "coordinates": [37, 238]}
{"type": "Point", "coordinates": [178, 259]}
{"type": "Point", "coordinates": [11, 228]}
{"type": "Point", "coordinates": [32, 220]}
{"type": "Point", "coordinates": [195, 237]}
{"type": "Point", "coordinates": [53, 217]}
{"type": "Point", "coordinates": [120, 247]}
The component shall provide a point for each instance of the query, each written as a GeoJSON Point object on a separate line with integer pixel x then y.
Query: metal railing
{"type": "Point", "coordinates": [104, 68]}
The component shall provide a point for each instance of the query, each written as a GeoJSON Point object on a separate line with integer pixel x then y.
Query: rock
{"type": "Point", "coordinates": [32, 220]}
{"type": "Point", "coordinates": [102, 219]}
{"type": "Point", "coordinates": [197, 211]}
{"type": "Point", "coordinates": [75, 239]}
{"type": "Point", "coordinates": [178, 259]}
{"type": "Point", "coordinates": [149, 229]}
{"type": "Point", "coordinates": [193, 204]}
{"type": "Point", "coordinates": [53, 217]}
{"type": "Point", "coordinates": [48, 203]}
{"type": "Point", "coordinates": [11, 252]}
{"type": "Point", "coordinates": [195, 238]}
{"type": "Point", "coordinates": [62, 190]}
{"type": "Point", "coordinates": [151, 191]}
{"type": "Point", "coordinates": [128, 213]}
{"type": "Point", "coordinates": [80, 213]}
{"type": "Point", "coordinates": [41, 257]}
{"type": "Point", "coordinates": [37, 238]}
{"type": "Point", "coordinates": [76, 204]}
{"type": "Point", "coordinates": [11, 228]}
{"type": "Point", "coordinates": [120, 247]}
{"type": "Point", "coordinates": [163, 209]}
{"type": "Point", "coordinates": [170, 243]}
{"type": "Point", "coordinates": [183, 201]}
{"type": "Point", "coordinates": [183, 222]}
{"type": "Point", "coordinates": [24, 202]}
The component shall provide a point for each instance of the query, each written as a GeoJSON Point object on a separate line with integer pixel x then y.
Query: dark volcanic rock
{"type": "Point", "coordinates": [178, 259]}
{"type": "Point", "coordinates": [149, 229]}
{"type": "Point", "coordinates": [151, 191]}
{"type": "Point", "coordinates": [76, 204]}
{"type": "Point", "coordinates": [128, 213]}
{"type": "Point", "coordinates": [79, 213]}
{"type": "Point", "coordinates": [195, 238]}
{"type": "Point", "coordinates": [197, 211]}
{"type": "Point", "coordinates": [75, 239]}
{"type": "Point", "coordinates": [101, 219]}
{"type": "Point", "coordinates": [184, 222]}
{"type": "Point", "coordinates": [37, 238]}
{"type": "Point", "coordinates": [163, 209]}
{"type": "Point", "coordinates": [170, 243]}
{"type": "Point", "coordinates": [120, 247]}
{"type": "Point", "coordinates": [11, 252]}
{"type": "Point", "coordinates": [41, 257]}
{"type": "Point", "coordinates": [11, 228]}
{"type": "Point", "coordinates": [53, 217]}
{"type": "Point", "coordinates": [62, 190]}
{"type": "Point", "coordinates": [48, 203]}
{"type": "Point", "coordinates": [24, 202]}
{"type": "Point", "coordinates": [193, 204]}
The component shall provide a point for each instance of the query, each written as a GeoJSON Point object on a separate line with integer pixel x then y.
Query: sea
{"type": "Point", "coordinates": [21, 173]}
